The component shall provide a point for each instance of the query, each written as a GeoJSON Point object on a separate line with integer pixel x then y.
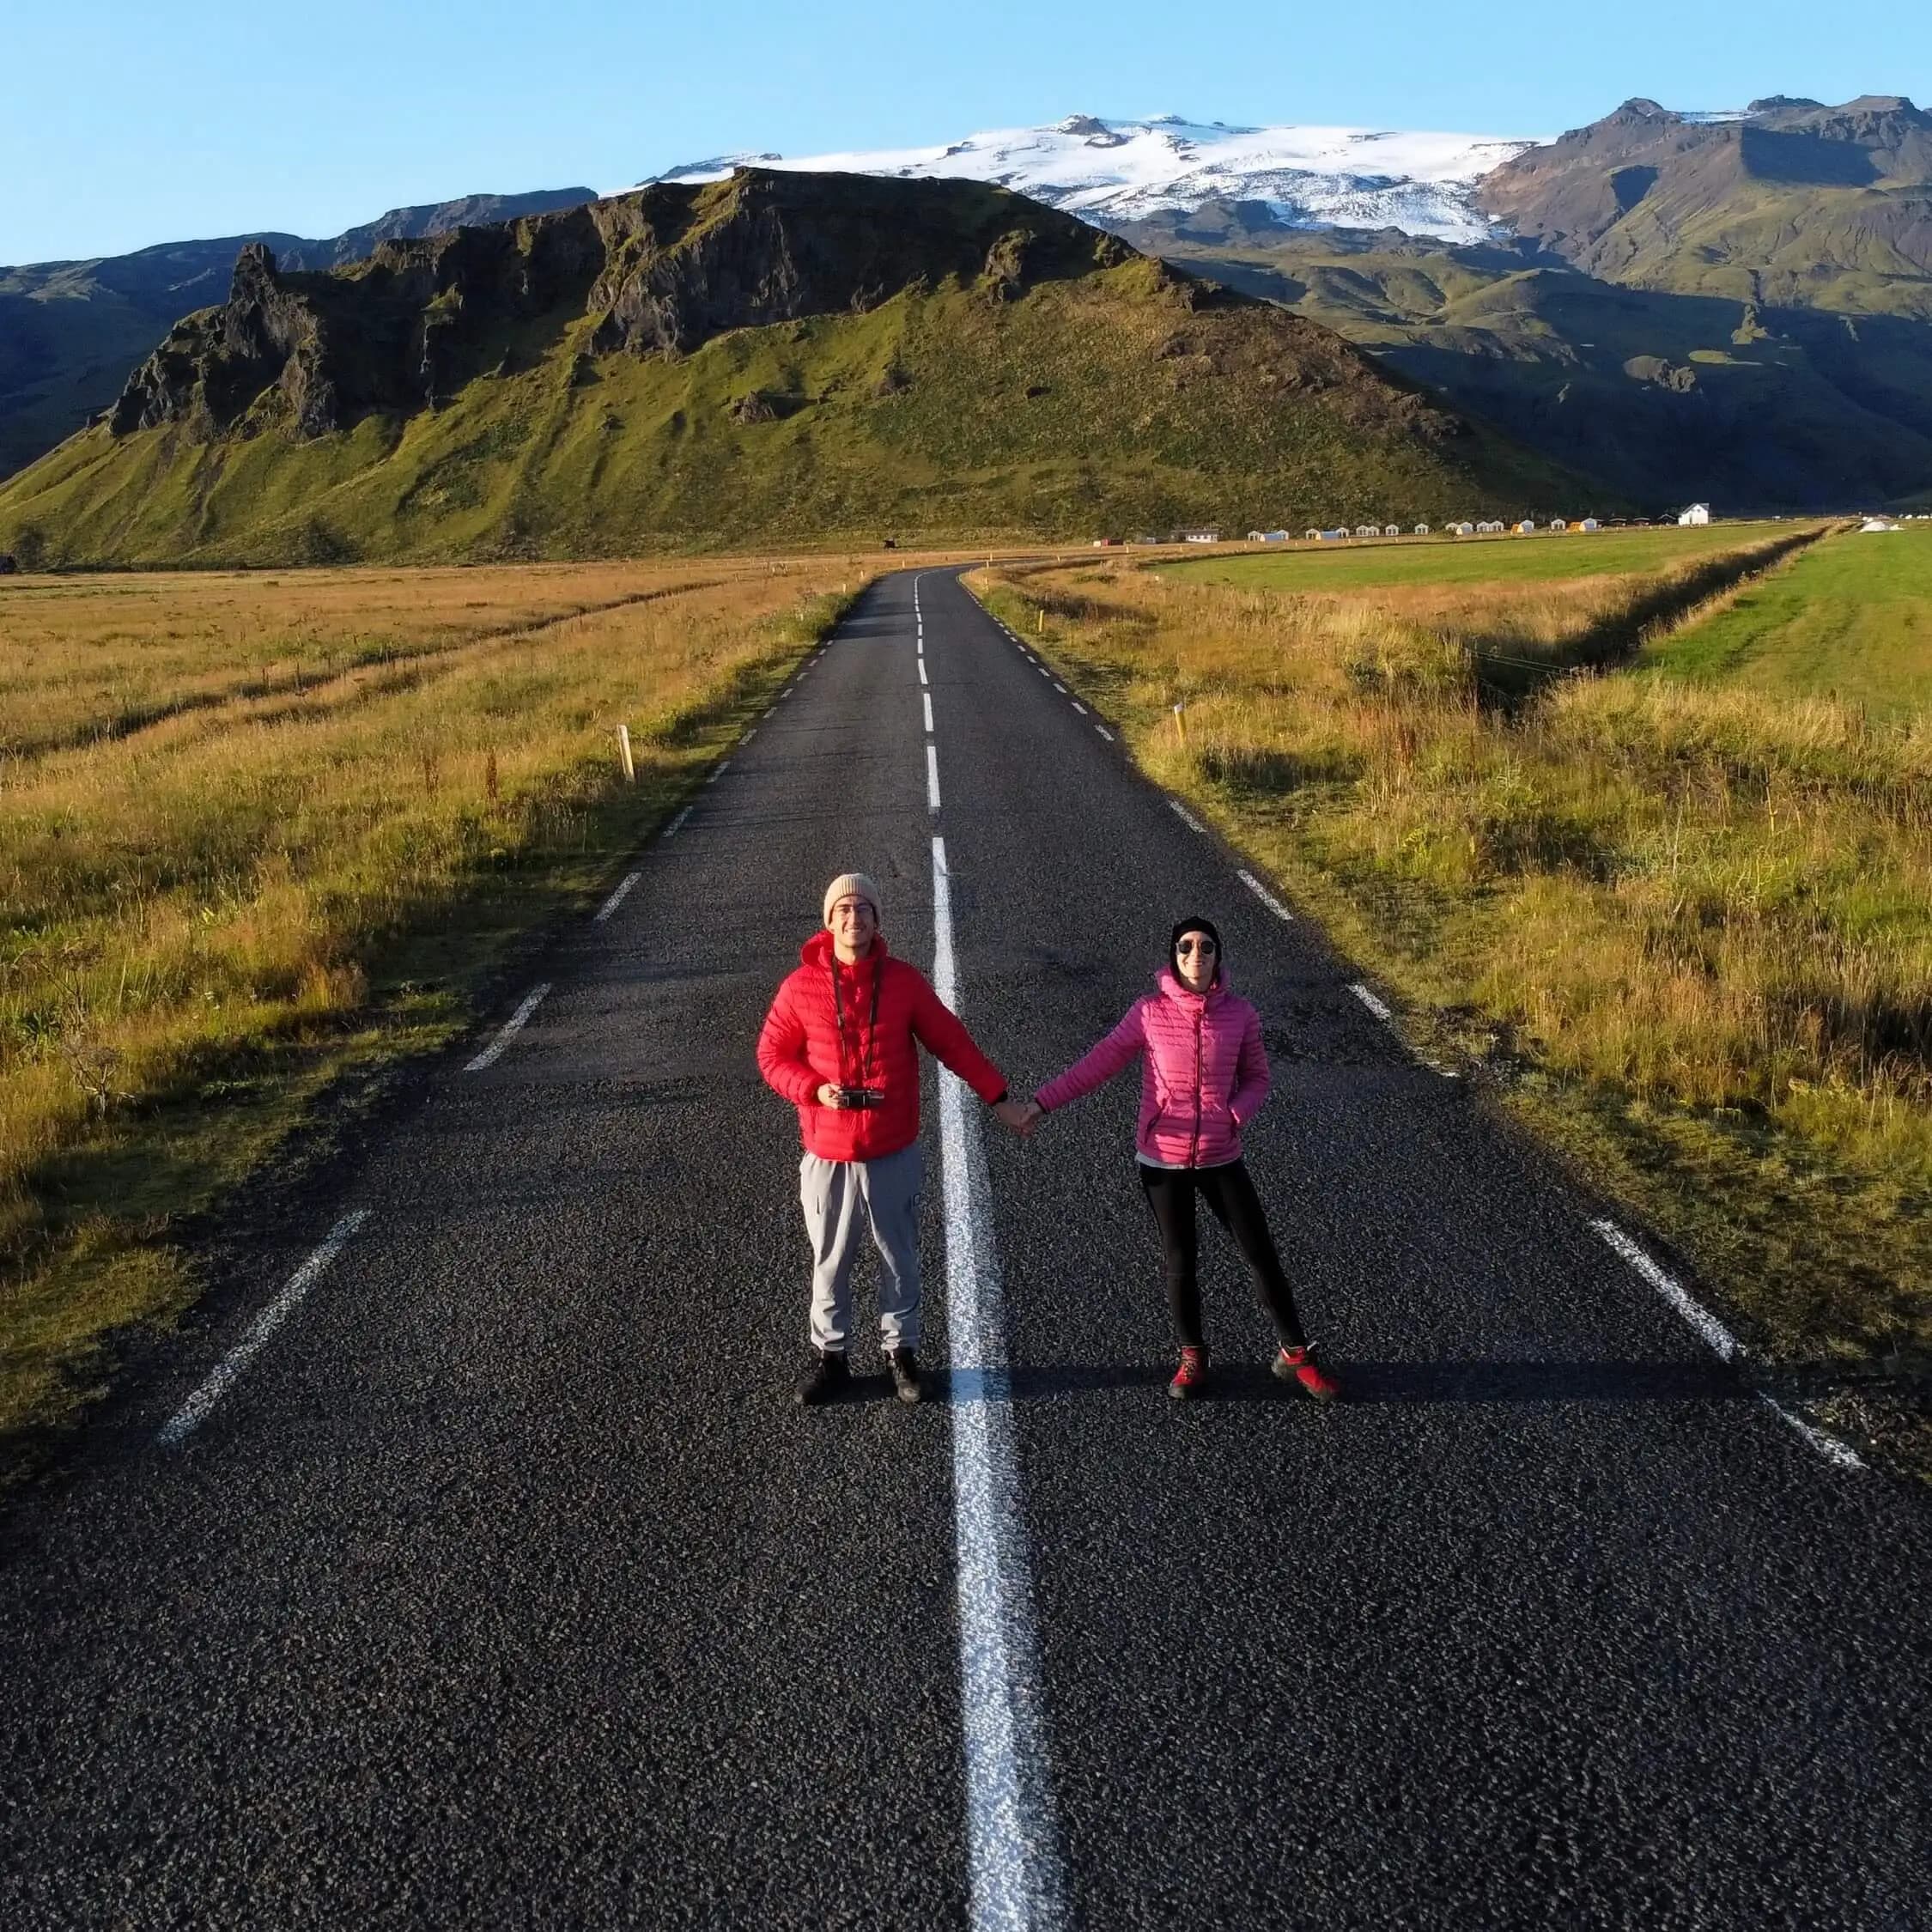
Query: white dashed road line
{"type": "Point", "coordinates": [1081, 708]}
{"type": "Point", "coordinates": [1186, 817]}
{"type": "Point", "coordinates": [926, 698]}
{"type": "Point", "coordinates": [671, 831]}
{"type": "Point", "coordinates": [1378, 1007]}
{"type": "Point", "coordinates": [923, 678]}
{"type": "Point", "coordinates": [191, 1413]}
{"type": "Point", "coordinates": [723, 768]}
{"type": "Point", "coordinates": [512, 1027]}
{"type": "Point", "coordinates": [1719, 1338]}
{"type": "Point", "coordinates": [617, 897]}
{"type": "Point", "coordinates": [1720, 1341]}
{"type": "Point", "coordinates": [1013, 1869]}
{"type": "Point", "coordinates": [1268, 898]}
{"type": "Point", "coordinates": [932, 779]}
{"type": "Point", "coordinates": [1105, 733]}
{"type": "Point", "coordinates": [1829, 1446]}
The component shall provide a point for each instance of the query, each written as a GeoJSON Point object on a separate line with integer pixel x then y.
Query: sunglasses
{"type": "Point", "coordinates": [1194, 946]}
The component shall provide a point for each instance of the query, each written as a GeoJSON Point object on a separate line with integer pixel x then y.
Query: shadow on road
{"type": "Point", "coordinates": [1383, 1381]}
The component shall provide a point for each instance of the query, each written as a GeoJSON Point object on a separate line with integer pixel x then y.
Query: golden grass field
{"type": "Point", "coordinates": [258, 831]}
{"type": "Point", "coordinates": [1688, 924]}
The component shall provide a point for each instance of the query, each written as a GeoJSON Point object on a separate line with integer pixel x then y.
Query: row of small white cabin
{"type": "Point", "coordinates": [1527, 528]}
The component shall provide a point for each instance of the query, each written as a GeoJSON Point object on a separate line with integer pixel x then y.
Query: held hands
{"type": "Point", "coordinates": [1021, 1115]}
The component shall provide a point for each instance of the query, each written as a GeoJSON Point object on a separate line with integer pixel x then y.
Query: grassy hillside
{"type": "Point", "coordinates": [1850, 620]}
{"type": "Point", "coordinates": [993, 367]}
{"type": "Point", "coordinates": [1666, 396]}
{"type": "Point", "coordinates": [1793, 204]}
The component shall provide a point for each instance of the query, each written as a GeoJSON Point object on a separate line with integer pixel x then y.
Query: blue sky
{"type": "Point", "coordinates": [120, 127]}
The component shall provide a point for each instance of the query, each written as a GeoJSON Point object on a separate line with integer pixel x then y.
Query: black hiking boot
{"type": "Point", "coordinates": [904, 1365]}
{"type": "Point", "coordinates": [825, 1380]}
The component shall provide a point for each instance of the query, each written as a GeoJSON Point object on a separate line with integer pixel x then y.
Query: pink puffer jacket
{"type": "Point", "coordinates": [1204, 1076]}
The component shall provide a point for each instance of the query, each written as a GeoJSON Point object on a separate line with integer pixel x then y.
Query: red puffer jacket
{"type": "Point", "coordinates": [1204, 1075]}
{"type": "Point", "coordinates": [801, 1047]}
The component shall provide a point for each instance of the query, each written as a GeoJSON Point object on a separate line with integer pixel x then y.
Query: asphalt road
{"type": "Point", "coordinates": [503, 1587]}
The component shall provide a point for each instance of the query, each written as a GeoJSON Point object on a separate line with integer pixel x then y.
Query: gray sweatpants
{"type": "Point", "coordinates": [839, 1199]}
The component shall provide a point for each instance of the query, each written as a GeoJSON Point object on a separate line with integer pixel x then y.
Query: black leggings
{"type": "Point", "coordinates": [1231, 1193]}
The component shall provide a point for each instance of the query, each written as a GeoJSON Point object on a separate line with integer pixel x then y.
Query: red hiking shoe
{"type": "Point", "coordinates": [1298, 1364]}
{"type": "Point", "coordinates": [1191, 1377]}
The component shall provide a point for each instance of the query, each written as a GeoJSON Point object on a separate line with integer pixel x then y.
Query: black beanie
{"type": "Point", "coordinates": [1194, 925]}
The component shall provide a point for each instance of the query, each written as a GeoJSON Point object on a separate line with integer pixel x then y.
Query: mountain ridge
{"type": "Point", "coordinates": [72, 330]}
{"type": "Point", "coordinates": [778, 353]}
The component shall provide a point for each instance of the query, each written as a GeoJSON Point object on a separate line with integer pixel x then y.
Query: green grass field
{"type": "Point", "coordinates": [1851, 618]}
{"type": "Point", "coordinates": [1544, 558]}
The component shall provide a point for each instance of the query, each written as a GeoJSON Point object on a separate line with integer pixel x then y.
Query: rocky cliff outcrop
{"type": "Point", "coordinates": [657, 271]}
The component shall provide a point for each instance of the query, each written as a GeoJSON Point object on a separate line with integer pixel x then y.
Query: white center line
{"type": "Point", "coordinates": [1378, 1007]}
{"type": "Point", "coordinates": [1268, 898]}
{"type": "Point", "coordinates": [512, 1027]}
{"type": "Point", "coordinates": [926, 700]}
{"type": "Point", "coordinates": [923, 678]}
{"type": "Point", "coordinates": [932, 779]}
{"type": "Point", "coordinates": [616, 898]}
{"type": "Point", "coordinates": [189, 1417]}
{"type": "Point", "coordinates": [1186, 816]}
{"type": "Point", "coordinates": [1013, 1856]}
{"type": "Point", "coordinates": [670, 830]}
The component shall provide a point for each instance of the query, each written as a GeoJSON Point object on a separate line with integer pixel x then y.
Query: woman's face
{"type": "Point", "coordinates": [1194, 961]}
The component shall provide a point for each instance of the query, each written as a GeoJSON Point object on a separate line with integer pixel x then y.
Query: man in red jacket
{"type": "Point", "coordinates": [841, 1043]}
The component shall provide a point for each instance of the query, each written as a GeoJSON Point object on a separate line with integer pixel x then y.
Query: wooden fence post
{"type": "Point", "coordinates": [623, 752]}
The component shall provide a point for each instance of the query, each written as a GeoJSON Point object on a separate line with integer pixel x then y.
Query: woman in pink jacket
{"type": "Point", "coordinates": [1203, 1074]}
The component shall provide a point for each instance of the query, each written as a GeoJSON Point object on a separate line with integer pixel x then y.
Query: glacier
{"type": "Point", "coordinates": [1111, 171]}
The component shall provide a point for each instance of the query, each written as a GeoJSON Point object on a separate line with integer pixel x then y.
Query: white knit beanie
{"type": "Point", "coordinates": [858, 885]}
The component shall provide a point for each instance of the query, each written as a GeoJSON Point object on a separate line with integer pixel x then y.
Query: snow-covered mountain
{"type": "Point", "coordinates": [1110, 171]}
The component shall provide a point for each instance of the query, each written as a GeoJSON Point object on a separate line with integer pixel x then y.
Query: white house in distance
{"type": "Point", "coordinates": [1698, 512]}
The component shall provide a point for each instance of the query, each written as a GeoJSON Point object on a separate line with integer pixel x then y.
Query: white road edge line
{"type": "Point", "coordinates": [1722, 1341]}
{"type": "Point", "coordinates": [616, 898]}
{"type": "Point", "coordinates": [1105, 733]}
{"type": "Point", "coordinates": [1829, 1446]}
{"type": "Point", "coordinates": [1268, 898]}
{"type": "Point", "coordinates": [1081, 708]}
{"type": "Point", "coordinates": [1060, 687]}
{"type": "Point", "coordinates": [670, 830]}
{"type": "Point", "coordinates": [932, 778]}
{"type": "Point", "coordinates": [512, 1027]}
{"type": "Point", "coordinates": [1013, 1858]}
{"type": "Point", "coordinates": [1378, 1007]}
{"type": "Point", "coordinates": [926, 699]}
{"type": "Point", "coordinates": [1188, 818]}
{"type": "Point", "coordinates": [193, 1412]}
{"type": "Point", "coordinates": [724, 766]}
